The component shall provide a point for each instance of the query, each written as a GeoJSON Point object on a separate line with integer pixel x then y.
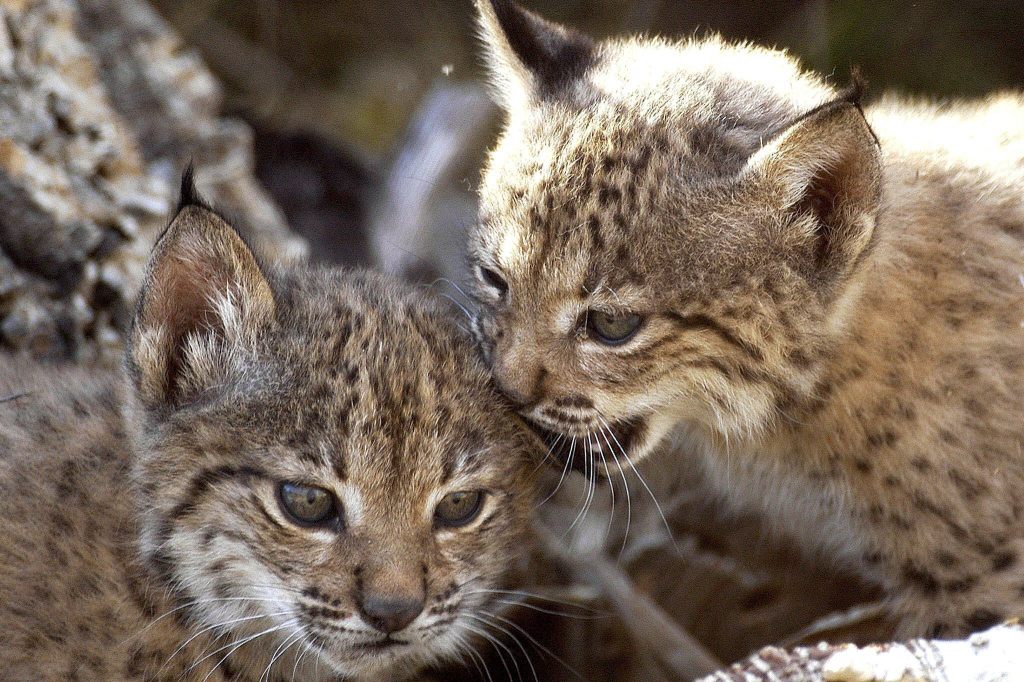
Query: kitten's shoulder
{"type": "Point", "coordinates": [66, 515]}
{"type": "Point", "coordinates": [55, 411]}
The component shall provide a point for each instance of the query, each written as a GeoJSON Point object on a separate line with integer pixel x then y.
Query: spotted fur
{"type": "Point", "coordinates": [138, 516]}
{"type": "Point", "coordinates": [832, 295]}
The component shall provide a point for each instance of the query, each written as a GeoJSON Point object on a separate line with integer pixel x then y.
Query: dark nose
{"type": "Point", "coordinates": [389, 614]}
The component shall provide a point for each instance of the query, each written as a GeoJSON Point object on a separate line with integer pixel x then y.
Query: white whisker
{"type": "Point", "coordinates": [234, 646]}
{"type": "Point", "coordinates": [565, 469]}
{"type": "Point", "coordinates": [640, 478]}
{"type": "Point", "coordinates": [495, 644]}
{"type": "Point", "coordinates": [215, 626]}
{"type": "Point", "coordinates": [625, 486]}
{"type": "Point", "coordinates": [537, 644]}
{"type": "Point", "coordinates": [512, 636]}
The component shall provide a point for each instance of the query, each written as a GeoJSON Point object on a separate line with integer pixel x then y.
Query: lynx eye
{"type": "Point", "coordinates": [611, 329]}
{"type": "Point", "coordinates": [459, 508]}
{"type": "Point", "coordinates": [493, 279]}
{"type": "Point", "coordinates": [307, 505]}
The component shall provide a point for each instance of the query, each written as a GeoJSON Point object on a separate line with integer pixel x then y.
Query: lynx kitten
{"type": "Point", "coordinates": [305, 475]}
{"type": "Point", "coordinates": [824, 303]}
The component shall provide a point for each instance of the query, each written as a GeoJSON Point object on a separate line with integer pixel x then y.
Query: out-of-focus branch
{"type": "Point", "coordinates": [677, 652]}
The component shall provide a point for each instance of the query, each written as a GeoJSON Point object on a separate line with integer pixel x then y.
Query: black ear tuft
{"type": "Point", "coordinates": [529, 52]}
{"type": "Point", "coordinates": [555, 54]}
{"type": "Point", "coordinates": [858, 87]}
{"type": "Point", "coordinates": [189, 194]}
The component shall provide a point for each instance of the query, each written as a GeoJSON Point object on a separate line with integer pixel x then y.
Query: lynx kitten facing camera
{"type": "Point", "coordinates": [822, 302]}
{"type": "Point", "coordinates": [304, 474]}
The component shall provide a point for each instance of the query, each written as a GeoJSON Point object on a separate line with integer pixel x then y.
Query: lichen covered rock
{"type": "Point", "coordinates": [100, 109]}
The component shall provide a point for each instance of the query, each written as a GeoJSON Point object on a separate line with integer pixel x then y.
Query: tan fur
{"type": "Point", "coordinates": [135, 521]}
{"type": "Point", "coordinates": [833, 299]}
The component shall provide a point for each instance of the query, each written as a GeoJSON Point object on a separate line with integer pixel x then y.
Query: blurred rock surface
{"type": "Point", "coordinates": [101, 107]}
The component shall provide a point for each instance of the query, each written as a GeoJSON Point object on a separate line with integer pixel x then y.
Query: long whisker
{"type": "Point", "coordinates": [565, 470]}
{"type": "Point", "coordinates": [453, 285]}
{"type": "Point", "coordinates": [522, 594]}
{"type": "Point", "coordinates": [551, 450]}
{"type": "Point", "coordinates": [526, 605]}
{"type": "Point", "coordinates": [306, 650]}
{"type": "Point", "coordinates": [625, 486]}
{"type": "Point", "coordinates": [495, 644]}
{"type": "Point", "coordinates": [537, 644]}
{"type": "Point", "coordinates": [482, 615]}
{"type": "Point", "coordinates": [465, 311]}
{"type": "Point", "coordinates": [611, 487]}
{"type": "Point", "coordinates": [234, 646]}
{"type": "Point", "coordinates": [281, 649]}
{"type": "Point", "coordinates": [642, 482]}
{"type": "Point", "coordinates": [197, 602]}
{"type": "Point", "coordinates": [590, 485]}
{"type": "Point", "coordinates": [481, 666]}
{"type": "Point", "coordinates": [215, 626]}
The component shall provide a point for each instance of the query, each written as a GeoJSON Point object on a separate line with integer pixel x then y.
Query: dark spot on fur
{"type": "Point", "coordinates": [970, 488]}
{"type": "Point", "coordinates": [886, 438]}
{"type": "Point", "coordinates": [921, 464]}
{"type": "Point", "coordinates": [575, 400]}
{"type": "Point", "coordinates": [1004, 560]}
{"type": "Point", "coordinates": [920, 578]}
{"type": "Point", "coordinates": [977, 408]}
{"type": "Point", "coordinates": [946, 559]}
{"type": "Point", "coordinates": [982, 619]}
{"type": "Point", "coordinates": [900, 521]}
{"type": "Point", "coordinates": [594, 227]}
{"type": "Point", "coordinates": [961, 585]}
{"type": "Point", "coordinates": [862, 465]}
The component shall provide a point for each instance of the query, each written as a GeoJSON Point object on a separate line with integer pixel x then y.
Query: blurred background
{"type": "Point", "coordinates": [371, 122]}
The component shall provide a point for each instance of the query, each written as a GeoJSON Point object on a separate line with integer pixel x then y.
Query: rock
{"type": "Point", "coordinates": [994, 655]}
{"type": "Point", "coordinates": [101, 107]}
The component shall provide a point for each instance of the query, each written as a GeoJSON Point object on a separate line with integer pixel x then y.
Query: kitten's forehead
{"type": "Point", "coordinates": [392, 389]}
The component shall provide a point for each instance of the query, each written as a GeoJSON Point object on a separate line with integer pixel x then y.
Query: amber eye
{"type": "Point", "coordinates": [612, 329]}
{"type": "Point", "coordinates": [308, 505]}
{"type": "Point", "coordinates": [459, 508]}
{"type": "Point", "coordinates": [493, 280]}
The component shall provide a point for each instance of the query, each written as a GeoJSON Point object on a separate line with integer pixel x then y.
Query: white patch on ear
{"type": "Point", "coordinates": [825, 172]}
{"type": "Point", "coordinates": [510, 81]}
{"type": "Point", "coordinates": [205, 298]}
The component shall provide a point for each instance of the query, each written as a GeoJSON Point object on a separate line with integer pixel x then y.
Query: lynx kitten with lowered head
{"type": "Point", "coordinates": [304, 476]}
{"type": "Point", "coordinates": [824, 303]}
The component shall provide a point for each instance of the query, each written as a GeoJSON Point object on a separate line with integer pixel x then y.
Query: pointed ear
{"type": "Point", "coordinates": [529, 56]}
{"type": "Point", "coordinates": [825, 174]}
{"type": "Point", "coordinates": [203, 292]}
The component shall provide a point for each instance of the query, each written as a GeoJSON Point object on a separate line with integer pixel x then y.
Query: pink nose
{"type": "Point", "coordinates": [519, 382]}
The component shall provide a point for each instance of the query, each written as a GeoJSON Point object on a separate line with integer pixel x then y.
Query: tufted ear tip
{"type": "Point", "coordinates": [527, 55]}
{"type": "Point", "coordinates": [202, 285]}
{"type": "Point", "coordinates": [188, 195]}
{"type": "Point", "coordinates": [858, 87]}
